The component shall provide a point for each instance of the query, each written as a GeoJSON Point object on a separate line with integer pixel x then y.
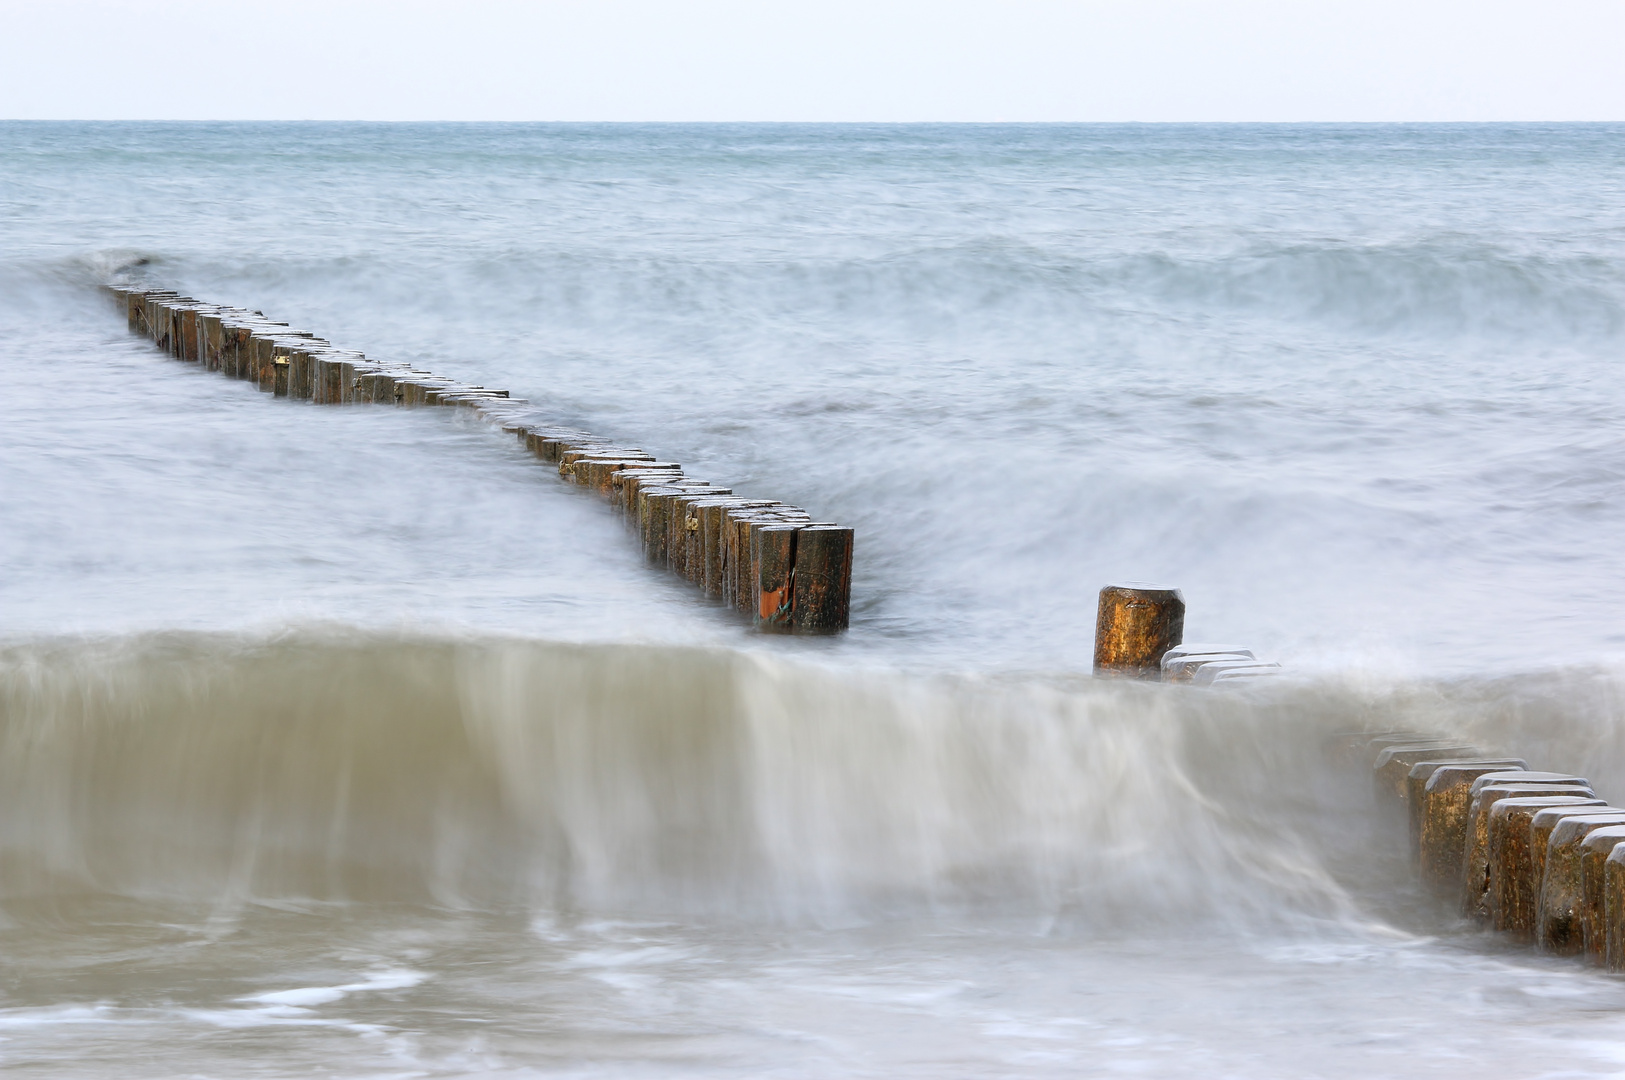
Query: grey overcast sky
{"type": "Point", "coordinates": [829, 60]}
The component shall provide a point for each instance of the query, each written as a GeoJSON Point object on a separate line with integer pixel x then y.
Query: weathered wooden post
{"type": "Point", "coordinates": [716, 529]}
{"type": "Point", "coordinates": [629, 481]}
{"type": "Point", "coordinates": [1135, 625]}
{"type": "Point", "coordinates": [1394, 763]}
{"type": "Point", "coordinates": [773, 554]}
{"type": "Point", "coordinates": [1476, 865]}
{"type": "Point", "coordinates": [1416, 786]}
{"type": "Point", "coordinates": [1613, 910]}
{"type": "Point", "coordinates": [736, 570]}
{"type": "Point", "coordinates": [187, 345]}
{"type": "Point", "coordinates": [1446, 817]}
{"type": "Point", "coordinates": [704, 558]}
{"type": "Point", "coordinates": [1557, 923]}
{"type": "Point", "coordinates": [1595, 851]}
{"type": "Point", "coordinates": [160, 320]}
{"type": "Point", "coordinates": [378, 387]}
{"type": "Point", "coordinates": [208, 333]}
{"type": "Point", "coordinates": [1513, 888]}
{"type": "Point", "coordinates": [752, 552]}
{"type": "Point", "coordinates": [654, 510]}
{"type": "Point", "coordinates": [823, 579]}
{"type": "Point", "coordinates": [682, 527]}
{"type": "Point", "coordinates": [327, 378]}
{"type": "Point", "coordinates": [352, 366]}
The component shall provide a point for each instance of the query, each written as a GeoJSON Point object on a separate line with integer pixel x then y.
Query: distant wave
{"type": "Point", "coordinates": [1444, 287]}
{"type": "Point", "coordinates": [1440, 287]}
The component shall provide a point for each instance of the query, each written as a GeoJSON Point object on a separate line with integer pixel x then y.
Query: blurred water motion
{"type": "Point", "coordinates": [348, 739]}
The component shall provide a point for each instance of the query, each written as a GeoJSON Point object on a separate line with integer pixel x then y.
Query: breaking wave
{"type": "Point", "coordinates": [335, 766]}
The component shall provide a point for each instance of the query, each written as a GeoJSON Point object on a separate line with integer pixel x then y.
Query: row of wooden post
{"type": "Point", "coordinates": [773, 562]}
{"type": "Point", "coordinates": [1534, 855]}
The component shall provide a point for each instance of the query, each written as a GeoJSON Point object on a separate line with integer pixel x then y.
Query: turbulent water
{"type": "Point", "coordinates": [347, 741]}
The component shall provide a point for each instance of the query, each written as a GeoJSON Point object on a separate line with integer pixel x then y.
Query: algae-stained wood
{"type": "Point", "coordinates": [1134, 626]}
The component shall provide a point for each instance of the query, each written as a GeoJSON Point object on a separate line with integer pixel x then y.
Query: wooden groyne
{"type": "Point", "coordinates": [770, 561]}
{"type": "Point", "coordinates": [1536, 856]}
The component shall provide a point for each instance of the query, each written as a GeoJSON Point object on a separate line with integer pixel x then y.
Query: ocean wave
{"type": "Point", "coordinates": [345, 766]}
{"type": "Point", "coordinates": [1049, 297]}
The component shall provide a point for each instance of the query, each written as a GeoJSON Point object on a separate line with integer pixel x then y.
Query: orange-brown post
{"type": "Point", "coordinates": [773, 553]}
{"type": "Point", "coordinates": [1137, 623]}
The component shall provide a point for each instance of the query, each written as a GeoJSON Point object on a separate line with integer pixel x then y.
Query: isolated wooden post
{"type": "Point", "coordinates": [1135, 626]}
{"type": "Point", "coordinates": [823, 579]}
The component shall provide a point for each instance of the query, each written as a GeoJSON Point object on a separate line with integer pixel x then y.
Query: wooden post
{"type": "Point", "coordinates": [327, 379]}
{"type": "Point", "coordinates": [237, 361]}
{"type": "Point", "coordinates": [1136, 624]}
{"type": "Point", "coordinates": [628, 481]}
{"type": "Point", "coordinates": [1613, 910]}
{"type": "Point", "coordinates": [301, 367]}
{"type": "Point", "coordinates": [264, 354]}
{"type": "Point", "coordinates": [1394, 763]}
{"type": "Point", "coordinates": [777, 516]}
{"type": "Point", "coordinates": [1595, 851]}
{"type": "Point", "coordinates": [735, 554]}
{"type": "Point", "coordinates": [715, 530]}
{"type": "Point", "coordinates": [1476, 864]}
{"type": "Point", "coordinates": [1446, 816]}
{"type": "Point", "coordinates": [352, 365]}
{"type": "Point", "coordinates": [773, 554]}
{"type": "Point", "coordinates": [188, 349]}
{"type": "Point", "coordinates": [162, 323]}
{"type": "Point", "coordinates": [1512, 887]}
{"type": "Point", "coordinates": [683, 529]}
{"type": "Point", "coordinates": [378, 387]}
{"type": "Point", "coordinates": [694, 554]}
{"type": "Point", "coordinates": [208, 330]}
{"type": "Point", "coordinates": [1557, 922]}
{"type": "Point", "coordinates": [654, 506]}
{"type": "Point", "coordinates": [1416, 788]}
{"type": "Point", "coordinates": [823, 579]}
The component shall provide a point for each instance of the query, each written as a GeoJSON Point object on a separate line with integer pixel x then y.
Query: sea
{"type": "Point", "coordinates": [348, 741]}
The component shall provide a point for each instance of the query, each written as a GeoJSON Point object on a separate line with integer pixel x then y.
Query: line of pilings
{"type": "Point", "coordinates": [1535, 856]}
{"type": "Point", "coordinates": [772, 562]}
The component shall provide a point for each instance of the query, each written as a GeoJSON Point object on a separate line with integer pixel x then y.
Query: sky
{"type": "Point", "coordinates": [814, 60]}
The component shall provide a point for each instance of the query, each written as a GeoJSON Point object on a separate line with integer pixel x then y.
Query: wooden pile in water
{"type": "Point", "coordinates": [1535, 855]}
{"type": "Point", "coordinates": [772, 562]}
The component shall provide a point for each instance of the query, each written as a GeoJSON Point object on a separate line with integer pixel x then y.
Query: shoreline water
{"type": "Point", "coordinates": [347, 738]}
